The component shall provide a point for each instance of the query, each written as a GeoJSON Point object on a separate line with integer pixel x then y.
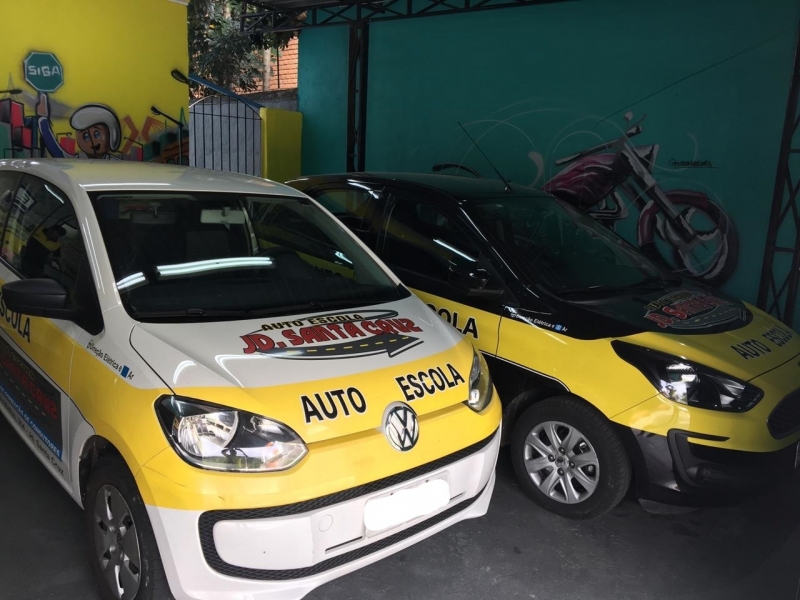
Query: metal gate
{"type": "Point", "coordinates": [225, 134]}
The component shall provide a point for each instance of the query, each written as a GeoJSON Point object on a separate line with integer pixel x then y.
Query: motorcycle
{"type": "Point", "coordinates": [682, 230]}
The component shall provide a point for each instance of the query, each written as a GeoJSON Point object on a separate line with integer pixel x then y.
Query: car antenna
{"type": "Point", "coordinates": [499, 174]}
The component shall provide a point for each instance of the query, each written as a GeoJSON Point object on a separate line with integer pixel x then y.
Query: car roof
{"type": "Point", "coordinates": [458, 186]}
{"type": "Point", "coordinates": [110, 175]}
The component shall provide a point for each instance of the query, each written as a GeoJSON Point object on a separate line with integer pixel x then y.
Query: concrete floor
{"type": "Point", "coordinates": [517, 551]}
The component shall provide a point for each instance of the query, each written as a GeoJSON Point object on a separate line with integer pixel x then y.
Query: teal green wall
{"type": "Point", "coordinates": [322, 98]}
{"type": "Point", "coordinates": [546, 81]}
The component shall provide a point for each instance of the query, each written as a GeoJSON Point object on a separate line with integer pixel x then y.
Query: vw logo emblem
{"type": "Point", "coordinates": [401, 427]}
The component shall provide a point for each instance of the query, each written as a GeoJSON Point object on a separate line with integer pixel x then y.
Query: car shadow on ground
{"type": "Point", "coordinates": [517, 550]}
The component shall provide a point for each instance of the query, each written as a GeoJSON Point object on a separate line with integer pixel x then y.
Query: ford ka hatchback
{"type": "Point", "coordinates": [610, 369]}
{"type": "Point", "coordinates": [243, 400]}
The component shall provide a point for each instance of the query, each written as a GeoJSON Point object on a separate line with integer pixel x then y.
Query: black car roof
{"type": "Point", "coordinates": [459, 186]}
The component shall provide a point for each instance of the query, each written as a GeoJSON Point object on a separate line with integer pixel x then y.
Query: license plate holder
{"type": "Point", "coordinates": [406, 504]}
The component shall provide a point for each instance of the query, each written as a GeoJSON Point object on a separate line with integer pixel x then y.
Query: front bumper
{"type": "Point", "coordinates": [692, 456]}
{"type": "Point", "coordinates": [282, 553]}
{"type": "Point", "coordinates": [677, 469]}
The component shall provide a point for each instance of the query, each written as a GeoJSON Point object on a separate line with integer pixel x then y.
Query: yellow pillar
{"type": "Point", "coordinates": [281, 132]}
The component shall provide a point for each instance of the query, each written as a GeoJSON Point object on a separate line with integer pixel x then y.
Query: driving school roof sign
{"type": "Point", "coordinates": [43, 71]}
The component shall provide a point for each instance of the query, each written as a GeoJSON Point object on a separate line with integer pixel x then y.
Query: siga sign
{"type": "Point", "coordinates": [43, 71]}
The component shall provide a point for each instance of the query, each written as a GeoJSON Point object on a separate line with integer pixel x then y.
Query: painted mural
{"type": "Point", "coordinates": [546, 90]}
{"type": "Point", "coordinates": [36, 124]}
{"type": "Point", "coordinates": [618, 182]}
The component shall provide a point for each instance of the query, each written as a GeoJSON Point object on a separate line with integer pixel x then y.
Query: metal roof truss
{"type": "Point", "coordinates": [275, 16]}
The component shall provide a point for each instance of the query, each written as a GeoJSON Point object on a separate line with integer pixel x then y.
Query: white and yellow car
{"type": "Point", "coordinates": [246, 403]}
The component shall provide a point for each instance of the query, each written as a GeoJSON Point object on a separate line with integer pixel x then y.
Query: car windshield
{"type": "Point", "coordinates": [561, 248]}
{"type": "Point", "coordinates": [190, 256]}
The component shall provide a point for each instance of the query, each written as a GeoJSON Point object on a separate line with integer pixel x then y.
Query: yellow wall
{"type": "Point", "coordinates": [117, 53]}
{"type": "Point", "coordinates": [281, 133]}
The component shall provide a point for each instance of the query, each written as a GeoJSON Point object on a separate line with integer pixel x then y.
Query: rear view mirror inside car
{"type": "Point", "coordinates": [224, 216]}
{"type": "Point", "coordinates": [152, 217]}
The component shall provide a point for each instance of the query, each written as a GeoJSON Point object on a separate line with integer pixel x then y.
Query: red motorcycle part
{"type": "Point", "coordinates": [717, 271]}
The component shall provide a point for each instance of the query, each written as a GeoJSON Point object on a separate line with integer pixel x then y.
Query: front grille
{"type": "Point", "coordinates": [215, 562]}
{"type": "Point", "coordinates": [210, 518]}
{"type": "Point", "coordinates": [785, 419]}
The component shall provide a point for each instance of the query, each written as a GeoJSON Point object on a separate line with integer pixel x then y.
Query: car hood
{"type": "Point", "coordinates": [746, 352]}
{"type": "Point", "coordinates": [691, 321]}
{"type": "Point", "coordinates": [324, 374]}
{"type": "Point", "coordinates": [687, 310]}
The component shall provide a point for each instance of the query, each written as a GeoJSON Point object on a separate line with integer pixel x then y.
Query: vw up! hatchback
{"type": "Point", "coordinates": [219, 373]}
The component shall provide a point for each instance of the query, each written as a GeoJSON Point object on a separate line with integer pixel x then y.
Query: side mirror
{"type": "Point", "coordinates": [472, 279]}
{"type": "Point", "coordinates": [478, 278]}
{"type": "Point", "coordinates": [40, 297]}
{"type": "Point", "coordinates": [474, 283]}
{"type": "Point", "coordinates": [493, 295]}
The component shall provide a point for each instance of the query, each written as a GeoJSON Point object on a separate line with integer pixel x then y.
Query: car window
{"type": "Point", "coordinates": [422, 242]}
{"type": "Point", "coordinates": [352, 206]}
{"type": "Point", "coordinates": [212, 256]}
{"type": "Point", "coordinates": [42, 238]}
{"type": "Point", "coordinates": [560, 247]}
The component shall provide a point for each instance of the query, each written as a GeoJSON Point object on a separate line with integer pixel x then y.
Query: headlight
{"type": "Point", "coordinates": [224, 439]}
{"type": "Point", "coordinates": [688, 383]}
{"type": "Point", "coordinates": [480, 384]}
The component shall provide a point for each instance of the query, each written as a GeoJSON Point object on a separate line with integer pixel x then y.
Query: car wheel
{"type": "Point", "coordinates": [568, 458]}
{"type": "Point", "coordinates": [122, 548]}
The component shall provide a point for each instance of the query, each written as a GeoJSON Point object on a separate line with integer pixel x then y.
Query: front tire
{"type": "Point", "coordinates": [568, 458]}
{"type": "Point", "coordinates": [122, 548]}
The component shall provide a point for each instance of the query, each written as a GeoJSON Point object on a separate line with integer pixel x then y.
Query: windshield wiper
{"type": "Point", "coordinates": [658, 283]}
{"type": "Point", "coordinates": [313, 306]}
{"type": "Point", "coordinates": [192, 313]}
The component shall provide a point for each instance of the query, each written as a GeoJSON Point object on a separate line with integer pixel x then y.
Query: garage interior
{"type": "Point", "coordinates": [468, 87]}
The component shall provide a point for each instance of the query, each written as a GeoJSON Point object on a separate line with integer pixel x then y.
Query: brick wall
{"type": "Point", "coordinates": [284, 67]}
{"type": "Point", "coordinates": [280, 69]}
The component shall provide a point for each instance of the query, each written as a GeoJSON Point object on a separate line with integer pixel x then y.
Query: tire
{"type": "Point", "coordinates": [112, 485]}
{"type": "Point", "coordinates": [596, 469]}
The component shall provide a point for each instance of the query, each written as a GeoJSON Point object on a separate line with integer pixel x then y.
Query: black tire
{"type": "Point", "coordinates": [613, 474]}
{"type": "Point", "coordinates": [108, 474]}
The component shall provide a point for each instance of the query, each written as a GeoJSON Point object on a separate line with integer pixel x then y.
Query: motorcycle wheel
{"type": "Point", "coordinates": [712, 258]}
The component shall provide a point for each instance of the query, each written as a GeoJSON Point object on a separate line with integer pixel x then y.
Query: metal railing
{"type": "Point", "coordinates": [225, 134]}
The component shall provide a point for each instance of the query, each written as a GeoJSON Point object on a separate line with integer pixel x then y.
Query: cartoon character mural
{"type": "Point", "coordinates": [30, 126]}
{"type": "Point", "coordinates": [683, 230]}
{"type": "Point", "coordinates": [96, 126]}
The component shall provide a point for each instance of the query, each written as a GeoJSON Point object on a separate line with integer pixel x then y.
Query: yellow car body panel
{"type": "Point", "coordinates": [331, 466]}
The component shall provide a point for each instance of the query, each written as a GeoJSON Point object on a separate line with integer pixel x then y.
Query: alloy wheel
{"type": "Point", "coordinates": [116, 543]}
{"type": "Point", "coordinates": [561, 462]}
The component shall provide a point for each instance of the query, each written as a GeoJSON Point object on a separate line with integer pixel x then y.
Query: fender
{"type": "Point", "coordinates": [80, 432]}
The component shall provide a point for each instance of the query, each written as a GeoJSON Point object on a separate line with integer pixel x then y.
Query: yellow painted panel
{"type": "Point", "coordinates": [329, 467]}
{"type": "Point", "coordinates": [281, 132]}
{"type": "Point", "coordinates": [116, 57]}
{"type": "Point", "coordinates": [121, 413]}
{"type": "Point", "coordinates": [589, 368]}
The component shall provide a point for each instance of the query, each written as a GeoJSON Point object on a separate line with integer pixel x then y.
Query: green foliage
{"type": "Point", "coordinates": [220, 52]}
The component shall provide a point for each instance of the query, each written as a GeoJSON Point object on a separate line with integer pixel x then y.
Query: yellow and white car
{"type": "Point", "coordinates": [246, 403]}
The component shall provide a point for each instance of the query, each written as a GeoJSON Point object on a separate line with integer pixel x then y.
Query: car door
{"type": "Point", "coordinates": [41, 238]}
{"type": "Point", "coordinates": [436, 253]}
{"type": "Point", "coordinates": [354, 204]}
